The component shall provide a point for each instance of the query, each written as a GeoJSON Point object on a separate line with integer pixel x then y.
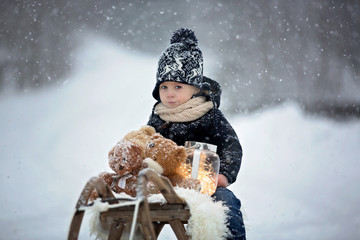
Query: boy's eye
{"type": "Point", "coordinates": [163, 87]}
{"type": "Point", "coordinates": [178, 87]}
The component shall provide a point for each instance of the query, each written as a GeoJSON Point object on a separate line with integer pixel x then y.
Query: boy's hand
{"type": "Point", "coordinates": [222, 181]}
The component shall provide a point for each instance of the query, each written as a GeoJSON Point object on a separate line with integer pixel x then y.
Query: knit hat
{"type": "Point", "coordinates": [181, 62]}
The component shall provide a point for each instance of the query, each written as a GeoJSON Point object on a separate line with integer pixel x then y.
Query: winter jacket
{"type": "Point", "coordinates": [211, 128]}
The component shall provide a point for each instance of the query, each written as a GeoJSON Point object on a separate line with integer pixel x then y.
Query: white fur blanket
{"type": "Point", "coordinates": [207, 221]}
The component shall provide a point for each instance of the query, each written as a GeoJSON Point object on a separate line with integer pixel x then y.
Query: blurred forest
{"type": "Point", "coordinates": [263, 52]}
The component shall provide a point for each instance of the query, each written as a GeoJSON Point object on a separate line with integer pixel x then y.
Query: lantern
{"type": "Point", "coordinates": [202, 163]}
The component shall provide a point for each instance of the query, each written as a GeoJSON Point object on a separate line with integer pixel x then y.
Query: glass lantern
{"type": "Point", "coordinates": [202, 163]}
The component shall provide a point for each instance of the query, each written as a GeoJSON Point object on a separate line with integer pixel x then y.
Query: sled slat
{"type": "Point", "coordinates": [158, 226]}
{"type": "Point", "coordinates": [93, 184]}
{"type": "Point", "coordinates": [75, 225]}
{"type": "Point", "coordinates": [178, 229]}
{"type": "Point", "coordinates": [177, 211]}
{"type": "Point", "coordinates": [116, 230]}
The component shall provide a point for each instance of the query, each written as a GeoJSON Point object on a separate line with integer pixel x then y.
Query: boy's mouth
{"type": "Point", "coordinates": [172, 103]}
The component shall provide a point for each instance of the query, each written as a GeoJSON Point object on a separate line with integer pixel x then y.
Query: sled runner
{"type": "Point", "coordinates": [151, 217]}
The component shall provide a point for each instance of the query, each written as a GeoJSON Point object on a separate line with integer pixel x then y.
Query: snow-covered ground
{"type": "Point", "coordinates": [298, 179]}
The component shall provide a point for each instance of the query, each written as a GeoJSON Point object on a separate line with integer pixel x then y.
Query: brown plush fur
{"type": "Point", "coordinates": [140, 137]}
{"type": "Point", "coordinates": [170, 156]}
{"type": "Point", "coordinates": [113, 180]}
{"type": "Point", "coordinates": [125, 159]}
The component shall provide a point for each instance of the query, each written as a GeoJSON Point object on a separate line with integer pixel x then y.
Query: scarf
{"type": "Point", "coordinates": [189, 111]}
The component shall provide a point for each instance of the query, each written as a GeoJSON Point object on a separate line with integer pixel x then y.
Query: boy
{"type": "Point", "coordinates": [187, 110]}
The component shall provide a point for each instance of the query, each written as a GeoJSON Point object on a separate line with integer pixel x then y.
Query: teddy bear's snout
{"type": "Point", "coordinates": [121, 167]}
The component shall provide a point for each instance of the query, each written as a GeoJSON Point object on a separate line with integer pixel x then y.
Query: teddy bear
{"type": "Point", "coordinates": [126, 160]}
{"type": "Point", "coordinates": [169, 157]}
{"type": "Point", "coordinates": [140, 149]}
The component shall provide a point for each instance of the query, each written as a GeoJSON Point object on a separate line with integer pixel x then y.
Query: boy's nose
{"type": "Point", "coordinates": [170, 94]}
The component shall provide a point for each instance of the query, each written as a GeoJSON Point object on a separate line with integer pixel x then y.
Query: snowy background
{"type": "Point", "coordinates": [274, 51]}
{"type": "Point", "coordinates": [299, 177]}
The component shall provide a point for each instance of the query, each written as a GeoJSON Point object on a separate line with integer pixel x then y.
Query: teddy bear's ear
{"type": "Point", "coordinates": [111, 152]}
{"type": "Point", "coordinates": [147, 130]}
{"type": "Point", "coordinates": [180, 153]}
{"type": "Point", "coordinates": [156, 136]}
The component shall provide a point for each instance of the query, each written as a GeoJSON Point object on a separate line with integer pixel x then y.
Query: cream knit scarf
{"type": "Point", "coordinates": [189, 111]}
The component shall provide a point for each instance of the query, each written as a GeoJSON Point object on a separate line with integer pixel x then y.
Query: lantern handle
{"type": "Point", "coordinates": [194, 146]}
{"type": "Point", "coordinates": [200, 146]}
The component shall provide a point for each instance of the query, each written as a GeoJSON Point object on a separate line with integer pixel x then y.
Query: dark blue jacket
{"type": "Point", "coordinates": [211, 128]}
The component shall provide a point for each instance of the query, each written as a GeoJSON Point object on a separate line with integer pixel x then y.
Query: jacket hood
{"type": "Point", "coordinates": [212, 89]}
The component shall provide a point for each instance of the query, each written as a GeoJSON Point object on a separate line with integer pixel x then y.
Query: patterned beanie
{"type": "Point", "coordinates": [181, 62]}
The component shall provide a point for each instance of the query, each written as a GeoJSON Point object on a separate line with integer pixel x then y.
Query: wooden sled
{"type": "Point", "coordinates": [150, 216]}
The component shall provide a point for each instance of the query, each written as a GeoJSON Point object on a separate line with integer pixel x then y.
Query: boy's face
{"type": "Point", "coordinates": [173, 94]}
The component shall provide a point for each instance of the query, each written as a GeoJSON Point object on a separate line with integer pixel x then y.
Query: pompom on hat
{"type": "Point", "coordinates": [181, 62]}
